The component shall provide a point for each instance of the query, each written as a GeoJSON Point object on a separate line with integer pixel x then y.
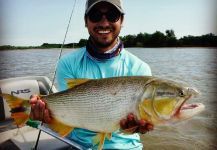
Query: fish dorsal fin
{"type": "Point", "coordinates": [75, 82]}
{"type": "Point", "coordinates": [59, 127]}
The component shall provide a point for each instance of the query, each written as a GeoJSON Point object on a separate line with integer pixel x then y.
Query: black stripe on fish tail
{"type": "Point", "coordinates": [18, 109]}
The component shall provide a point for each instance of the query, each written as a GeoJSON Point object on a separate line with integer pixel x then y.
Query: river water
{"type": "Point", "coordinates": [195, 66]}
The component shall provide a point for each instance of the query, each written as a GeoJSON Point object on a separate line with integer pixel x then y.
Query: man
{"type": "Point", "coordinates": [103, 57]}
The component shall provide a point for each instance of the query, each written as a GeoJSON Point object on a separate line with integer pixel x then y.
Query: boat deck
{"type": "Point", "coordinates": [24, 139]}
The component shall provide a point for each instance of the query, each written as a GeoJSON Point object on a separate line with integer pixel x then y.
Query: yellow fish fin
{"type": "Point", "coordinates": [143, 114]}
{"type": "Point", "coordinates": [147, 113]}
{"type": "Point", "coordinates": [18, 108]}
{"type": "Point", "coordinates": [74, 82]}
{"type": "Point", "coordinates": [109, 136]}
{"type": "Point", "coordinates": [59, 127]}
{"type": "Point", "coordinates": [20, 118]}
{"type": "Point", "coordinates": [15, 102]}
{"type": "Point", "coordinates": [99, 139]}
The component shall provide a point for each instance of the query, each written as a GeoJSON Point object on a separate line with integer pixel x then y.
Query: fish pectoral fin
{"type": "Point", "coordinates": [18, 108]}
{"type": "Point", "coordinates": [75, 82]}
{"type": "Point", "coordinates": [143, 113]}
{"type": "Point", "coordinates": [59, 127]}
{"type": "Point", "coordinates": [100, 139]}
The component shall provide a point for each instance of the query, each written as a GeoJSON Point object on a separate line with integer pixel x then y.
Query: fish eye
{"type": "Point", "coordinates": [181, 93]}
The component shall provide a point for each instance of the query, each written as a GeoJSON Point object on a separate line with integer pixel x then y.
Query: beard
{"type": "Point", "coordinates": [104, 41]}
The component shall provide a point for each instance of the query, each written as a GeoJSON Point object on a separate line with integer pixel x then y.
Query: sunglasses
{"type": "Point", "coordinates": [112, 15]}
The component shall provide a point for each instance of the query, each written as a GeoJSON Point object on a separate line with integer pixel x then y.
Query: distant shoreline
{"type": "Point", "coordinates": [30, 47]}
{"type": "Point", "coordinates": [143, 40]}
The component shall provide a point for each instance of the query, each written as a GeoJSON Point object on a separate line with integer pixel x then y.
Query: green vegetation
{"type": "Point", "coordinates": [169, 39]}
{"type": "Point", "coordinates": [5, 47]}
{"type": "Point", "coordinates": [81, 43]}
{"type": "Point", "coordinates": [157, 39]}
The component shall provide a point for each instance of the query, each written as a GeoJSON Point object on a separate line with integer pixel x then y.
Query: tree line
{"type": "Point", "coordinates": [156, 39]}
{"type": "Point", "coordinates": [159, 39]}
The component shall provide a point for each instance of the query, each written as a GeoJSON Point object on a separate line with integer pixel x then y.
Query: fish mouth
{"type": "Point", "coordinates": [189, 106]}
{"type": "Point", "coordinates": [188, 110]}
{"type": "Point", "coordinates": [182, 107]}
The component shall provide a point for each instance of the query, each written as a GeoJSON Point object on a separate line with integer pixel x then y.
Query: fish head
{"type": "Point", "coordinates": [165, 101]}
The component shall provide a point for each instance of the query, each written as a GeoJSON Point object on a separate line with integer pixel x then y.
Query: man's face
{"type": "Point", "coordinates": [103, 32]}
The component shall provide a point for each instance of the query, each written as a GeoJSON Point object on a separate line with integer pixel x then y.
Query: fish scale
{"type": "Point", "coordinates": [94, 105]}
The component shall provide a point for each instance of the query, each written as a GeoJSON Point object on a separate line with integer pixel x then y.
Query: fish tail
{"type": "Point", "coordinates": [18, 108]}
{"type": "Point", "coordinates": [61, 128]}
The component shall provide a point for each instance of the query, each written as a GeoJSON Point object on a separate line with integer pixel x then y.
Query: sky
{"type": "Point", "coordinates": [34, 22]}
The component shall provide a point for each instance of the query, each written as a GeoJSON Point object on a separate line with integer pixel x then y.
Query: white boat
{"type": "Point", "coordinates": [24, 138]}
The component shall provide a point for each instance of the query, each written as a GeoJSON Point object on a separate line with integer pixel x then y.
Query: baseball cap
{"type": "Point", "coordinates": [116, 3]}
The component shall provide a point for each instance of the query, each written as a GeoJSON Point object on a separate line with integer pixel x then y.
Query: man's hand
{"type": "Point", "coordinates": [39, 110]}
{"type": "Point", "coordinates": [132, 125]}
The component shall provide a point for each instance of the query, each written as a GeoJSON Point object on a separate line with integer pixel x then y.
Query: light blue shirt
{"type": "Point", "coordinates": [78, 64]}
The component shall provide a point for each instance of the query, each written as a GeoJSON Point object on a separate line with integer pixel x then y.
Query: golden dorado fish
{"type": "Point", "coordinates": [99, 104]}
